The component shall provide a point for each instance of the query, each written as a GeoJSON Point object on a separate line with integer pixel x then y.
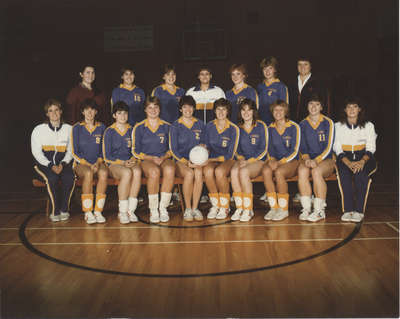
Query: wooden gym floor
{"type": "Point", "coordinates": [198, 269]}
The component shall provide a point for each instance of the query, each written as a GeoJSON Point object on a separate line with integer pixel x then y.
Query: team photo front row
{"type": "Point", "coordinates": [221, 154]}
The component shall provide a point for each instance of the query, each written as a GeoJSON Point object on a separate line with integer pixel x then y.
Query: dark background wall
{"type": "Point", "coordinates": [353, 45]}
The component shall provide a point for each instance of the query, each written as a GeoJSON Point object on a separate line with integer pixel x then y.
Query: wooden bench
{"type": "Point", "coordinates": [178, 181]}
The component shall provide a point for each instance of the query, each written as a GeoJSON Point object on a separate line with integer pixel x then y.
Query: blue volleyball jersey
{"type": "Point", "coordinates": [268, 94]}
{"type": "Point", "coordinates": [253, 144]}
{"type": "Point", "coordinates": [183, 138]}
{"type": "Point", "coordinates": [222, 144]}
{"type": "Point", "coordinates": [284, 146]}
{"type": "Point", "coordinates": [317, 140]}
{"type": "Point", "coordinates": [146, 141]}
{"type": "Point", "coordinates": [235, 97]}
{"type": "Point", "coordinates": [134, 98]}
{"type": "Point", "coordinates": [169, 102]}
{"type": "Point", "coordinates": [86, 143]}
{"type": "Point", "coordinates": [117, 145]}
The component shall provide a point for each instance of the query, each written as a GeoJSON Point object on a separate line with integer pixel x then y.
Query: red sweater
{"type": "Point", "coordinates": [74, 99]}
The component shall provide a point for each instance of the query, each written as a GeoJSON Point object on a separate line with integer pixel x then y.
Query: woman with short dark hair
{"type": "Point", "coordinates": [355, 145]}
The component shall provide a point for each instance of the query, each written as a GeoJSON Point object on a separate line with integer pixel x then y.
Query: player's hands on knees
{"type": "Point", "coordinates": [273, 164]}
{"type": "Point", "coordinates": [130, 163]}
{"type": "Point", "coordinates": [242, 163]}
{"type": "Point", "coordinates": [157, 160]}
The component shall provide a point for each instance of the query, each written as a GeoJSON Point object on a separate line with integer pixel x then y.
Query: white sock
{"type": "Point", "coordinates": [132, 204]}
{"type": "Point", "coordinates": [123, 205]}
{"type": "Point", "coordinates": [306, 202]}
{"type": "Point", "coordinates": [165, 199]}
{"type": "Point", "coordinates": [319, 203]}
{"type": "Point", "coordinates": [153, 201]}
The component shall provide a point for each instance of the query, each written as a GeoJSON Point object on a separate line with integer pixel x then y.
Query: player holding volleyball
{"type": "Point", "coordinates": [123, 166]}
{"type": "Point", "coordinates": [150, 145]}
{"type": "Point", "coordinates": [87, 138]}
{"type": "Point", "coordinates": [221, 138]}
{"type": "Point", "coordinates": [185, 133]}
{"type": "Point", "coordinates": [251, 153]}
{"type": "Point", "coordinates": [316, 148]}
{"type": "Point", "coordinates": [283, 149]}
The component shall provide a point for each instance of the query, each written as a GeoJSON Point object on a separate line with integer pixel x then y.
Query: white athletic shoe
{"type": "Point", "coordinates": [90, 218]}
{"type": "Point", "coordinates": [346, 217]}
{"type": "Point", "coordinates": [123, 218]}
{"type": "Point", "coordinates": [270, 215]}
{"type": "Point", "coordinates": [247, 215]}
{"type": "Point", "coordinates": [154, 216]}
{"type": "Point", "coordinates": [164, 217]}
{"type": "Point", "coordinates": [236, 214]}
{"type": "Point", "coordinates": [132, 217]}
{"type": "Point", "coordinates": [357, 217]}
{"type": "Point", "coordinates": [197, 215]}
{"type": "Point", "coordinates": [280, 215]}
{"type": "Point", "coordinates": [99, 217]}
{"type": "Point", "coordinates": [55, 218]}
{"type": "Point", "coordinates": [264, 197]}
{"type": "Point", "coordinates": [304, 214]}
{"type": "Point", "coordinates": [222, 213]}
{"type": "Point", "coordinates": [64, 216]}
{"type": "Point", "coordinates": [187, 215]}
{"type": "Point", "coordinates": [316, 216]}
{"type": "Point", "coordinates": [212, 213]}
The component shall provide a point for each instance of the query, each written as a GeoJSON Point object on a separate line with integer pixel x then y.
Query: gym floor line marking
{"type": "Point", "coordinates": [219, 226]}
{"type": "Point", "coordinates": [391, 226]}
{"type": "Point", "coordinates": [34, 250]}
{"type": "Point", "coordinates": [201, 242]}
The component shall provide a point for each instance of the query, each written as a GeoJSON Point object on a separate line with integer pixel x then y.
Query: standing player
{"type": "Point", "coordinates": [123, 166]}
{"type": "Point", "coordinates": [355, 144]}
{"type": "Point", "coordinates": [85, 89]}
{"type": "Point", "coordinates": [51, 149]}
{"type": "Point", "coordinates": [271, 89]}
{"type": "Point", "coordinates": [240, 90]}
{"type": "Point", "coordinates": [305, 86]}
{"type": "Point", "coordinates": [87, 137]}
{"type": "Point", "coordinates": [185, 133]}
{"type": "Point", "coordinates": [283, 149]}
{"type": "Point", "coordinates": [221, 138]}
{"type": "Point", "coordinates": [251, 153]}
{"type": "Point", "coordinates": [169, 95]}
{"type": "Point", "coordinates": [317, 135]}
{"type": "Point", "coordinates": [150, 145]}
{"type": "Point", "coordinates": [205, 94]}
{"type": "Point", "coordinates": [131, 94]}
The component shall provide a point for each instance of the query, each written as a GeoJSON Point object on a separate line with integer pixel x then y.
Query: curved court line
{"type": "Point", "coordinates": [39, 253]}
{"type": "Point", "coordinates": [182, 226]}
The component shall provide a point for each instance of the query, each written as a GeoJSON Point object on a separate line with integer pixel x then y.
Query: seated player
{"type": "Point", "coordinates": [87, 138]}
{"type": "Point", "coordinates": [185, 133]}
{"type": "Point", "coordinates": [123, 166]}
{"type": "Point", "coordinates": [150, 145]}
{"type": "Point", "coordinates": [221, 138]}
{"type": "Point", "coordinates": [283, 149]}
{"type": "Point", "coordinates": [251, 153]}
{"type": "Point", "coordinates": [51, 149]}
{"type": "Point", "coordinates": [317, 135]}
{"type": "Point", "coordinates": [355, 145]}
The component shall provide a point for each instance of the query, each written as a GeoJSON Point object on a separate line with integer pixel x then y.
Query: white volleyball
{"type": "Point", "coordinates": [198, 155]}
